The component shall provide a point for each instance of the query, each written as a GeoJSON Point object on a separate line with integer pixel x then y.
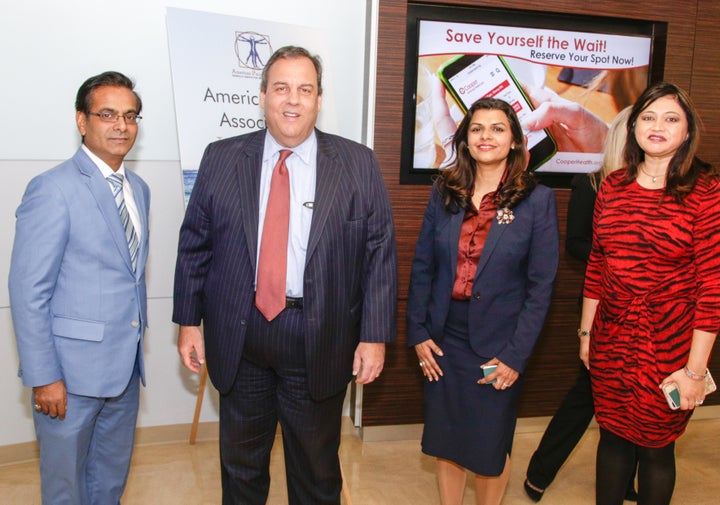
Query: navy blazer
{"type": "Point", "coordinates": [350, 277]}
{"type": "Point", "coordinates": [512, 287]}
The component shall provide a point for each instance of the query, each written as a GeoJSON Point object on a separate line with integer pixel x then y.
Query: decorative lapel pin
{"type": "Point", "coordinates": [505, 216]}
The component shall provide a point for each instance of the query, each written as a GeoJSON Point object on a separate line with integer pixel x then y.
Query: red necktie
{"type": "Point", "coordinates": [272, 264]}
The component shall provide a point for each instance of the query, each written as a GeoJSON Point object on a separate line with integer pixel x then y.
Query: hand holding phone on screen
{"type": "Point", "coordinates": [574, 128]}
{"type": "Point", "coordinates": [434, 124]}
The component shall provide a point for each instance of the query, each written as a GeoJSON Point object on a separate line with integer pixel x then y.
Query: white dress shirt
{"type": "Point", "coordinates": [106, 171]}
{"type": "Point", "coordinates": [302, 165]}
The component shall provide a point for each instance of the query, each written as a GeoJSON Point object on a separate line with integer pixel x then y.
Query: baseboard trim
{"type": "Point", "coordinates": [14, 454]}
{"type": "Point", "coordinates": [151, 435]}
{"type": "Point", "coordinates": [18, 453]}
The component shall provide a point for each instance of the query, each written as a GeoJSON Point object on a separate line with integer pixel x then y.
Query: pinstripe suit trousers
{"type": "Point", "coordinates": [271, 387]}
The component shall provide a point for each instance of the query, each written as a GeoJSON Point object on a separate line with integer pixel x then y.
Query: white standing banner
{"type": "Point", "coordinates": [217, 62]}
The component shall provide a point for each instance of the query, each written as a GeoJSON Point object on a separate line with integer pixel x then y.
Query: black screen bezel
{"type": "Point", "coordinates": [656, 31]}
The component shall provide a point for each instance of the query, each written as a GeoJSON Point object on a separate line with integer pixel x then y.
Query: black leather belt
{"type": "Point", "coordinates": [293, 303]}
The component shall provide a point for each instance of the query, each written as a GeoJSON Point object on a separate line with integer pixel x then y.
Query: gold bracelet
{"type": "Point", "coordinates": [583, 333]}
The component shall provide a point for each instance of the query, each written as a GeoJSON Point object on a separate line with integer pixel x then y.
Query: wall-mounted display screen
{"type": "Point", "coordinates": [567, 77]}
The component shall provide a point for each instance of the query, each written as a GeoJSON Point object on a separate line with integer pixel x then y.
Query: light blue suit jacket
{"type": "Point", "coordinates": [78, 308]}
{"type": "Point", "coordinates": [513, 285]}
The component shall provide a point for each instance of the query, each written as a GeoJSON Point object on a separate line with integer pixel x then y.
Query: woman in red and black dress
{"type": "Point", "coordinates": [651, 305]}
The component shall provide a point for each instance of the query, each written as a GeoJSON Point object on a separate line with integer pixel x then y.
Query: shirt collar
{"type": "Point", "coordinates": [104, 168]}
{"type": "Point", "coordinates": [304, 150]}
{"type": "Point", "coordinates": [503, 179]}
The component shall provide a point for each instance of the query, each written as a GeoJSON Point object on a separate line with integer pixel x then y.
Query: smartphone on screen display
{"type": "Point", "coordinates": [473, 76]}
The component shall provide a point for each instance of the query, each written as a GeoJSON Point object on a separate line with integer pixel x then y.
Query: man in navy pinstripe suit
{"type": "Point", "coordinates": [341, 288]}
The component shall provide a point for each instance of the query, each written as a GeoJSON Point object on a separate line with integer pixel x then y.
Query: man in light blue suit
{"type": "Point", "coordinates": [79, 303]}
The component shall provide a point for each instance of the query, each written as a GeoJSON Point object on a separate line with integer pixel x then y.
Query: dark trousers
{"type": "Point", "coordinates": [271, 387]}
{"type": "Point", "coordinates": [565, 430]}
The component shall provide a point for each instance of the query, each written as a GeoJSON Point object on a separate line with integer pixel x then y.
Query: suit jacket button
{"type": "Point", "coordinates": [135, 324]}
{"type": "Point", "coordinates": [476, 296]}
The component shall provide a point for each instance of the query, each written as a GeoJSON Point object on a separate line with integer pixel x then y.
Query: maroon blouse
{"type": "Point", "coordinates": [473, 234]}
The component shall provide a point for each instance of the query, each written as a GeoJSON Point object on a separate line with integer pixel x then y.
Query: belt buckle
{"type": "Point", "coordinates": [293, 303]}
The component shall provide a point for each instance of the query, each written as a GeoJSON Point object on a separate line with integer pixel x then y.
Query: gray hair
{"type": "Point", "coordinates": [290, 52]}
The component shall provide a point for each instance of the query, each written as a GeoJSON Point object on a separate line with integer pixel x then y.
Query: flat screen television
{"type": "Point", "coordinates": [558, 71]}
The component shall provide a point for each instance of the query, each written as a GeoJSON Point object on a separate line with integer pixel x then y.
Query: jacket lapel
{"type": "Point", "coordinates": [249, 166]}
{"type": "Point", "coordinates": [100, 190]}
{"type": "Point", "coordinates": [327, 183]}
{"type": "Point", "coordinates": [452, 235]}
{"type": "Point", "coordinates": [496, 232]}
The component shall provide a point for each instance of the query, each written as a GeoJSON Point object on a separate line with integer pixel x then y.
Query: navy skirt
{"type": "Point", "coordinates": [468, 423]}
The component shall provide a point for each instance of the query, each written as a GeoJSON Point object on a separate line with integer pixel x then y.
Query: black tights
{"type": "Point", "coordinates": [615, 465]}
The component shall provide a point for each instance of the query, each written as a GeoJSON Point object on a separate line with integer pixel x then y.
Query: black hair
{"type": "Point", "coordinates": [83, 100]}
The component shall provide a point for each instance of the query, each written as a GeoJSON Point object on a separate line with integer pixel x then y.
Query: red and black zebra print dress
{"type": "Point", "coordinates": [655, 267]}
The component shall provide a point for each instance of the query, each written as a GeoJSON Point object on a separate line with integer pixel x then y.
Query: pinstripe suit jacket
{"type": "Point", "coordinates": [350, 278]}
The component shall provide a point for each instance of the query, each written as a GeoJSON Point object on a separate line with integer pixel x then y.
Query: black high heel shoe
{"type": "Point", "coordinates": [631, 495]}
{"type": "Point", "coordinates": [534, 492]}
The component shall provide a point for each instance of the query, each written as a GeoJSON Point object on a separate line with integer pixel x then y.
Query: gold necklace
{"type": "Point", "coordinates": [653, 177]}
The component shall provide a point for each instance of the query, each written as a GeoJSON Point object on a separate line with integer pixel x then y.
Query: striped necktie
{"type": "Point", "coordinates": [132, 239]}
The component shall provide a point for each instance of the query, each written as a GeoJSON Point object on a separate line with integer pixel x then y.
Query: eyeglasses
{"type": "Point", "coordinates": [110, 117]}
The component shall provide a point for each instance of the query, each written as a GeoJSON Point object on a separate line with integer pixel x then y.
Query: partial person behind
{"type": "Point", "coordinates": [572, 418]}
{"type": "Point", "coordinates": [585, 188]}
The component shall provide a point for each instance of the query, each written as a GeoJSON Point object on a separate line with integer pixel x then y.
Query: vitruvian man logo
{"type": "Point", "coordinates": [252, 49]}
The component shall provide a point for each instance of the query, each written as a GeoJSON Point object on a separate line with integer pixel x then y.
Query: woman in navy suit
{"type": "Point", "coordinates": [480, 289]}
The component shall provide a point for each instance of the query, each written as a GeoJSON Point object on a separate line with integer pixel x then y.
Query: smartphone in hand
{"type": "Point", "coordinates": [672, 394]}
{"type": "Point", "coordinates": [487, 370]}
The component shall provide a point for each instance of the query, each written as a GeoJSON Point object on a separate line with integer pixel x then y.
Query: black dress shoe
{"type": "Point", "coordinates": [534, 492]}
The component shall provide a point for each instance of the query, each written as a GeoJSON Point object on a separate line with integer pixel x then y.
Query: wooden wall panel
{"type": "Point", "coordinates": [396, 398]}
{"type": "Point", "coordinates": [705, 88]}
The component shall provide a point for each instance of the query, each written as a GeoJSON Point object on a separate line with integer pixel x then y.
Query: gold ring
{"type": "Point", "coordinates": [422, 363]}
{"type": "Point", "coordinates": [38, 406]}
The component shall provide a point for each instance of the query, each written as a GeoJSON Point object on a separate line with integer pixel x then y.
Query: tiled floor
{"type": "Point", "coordinates": [382, 473]}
